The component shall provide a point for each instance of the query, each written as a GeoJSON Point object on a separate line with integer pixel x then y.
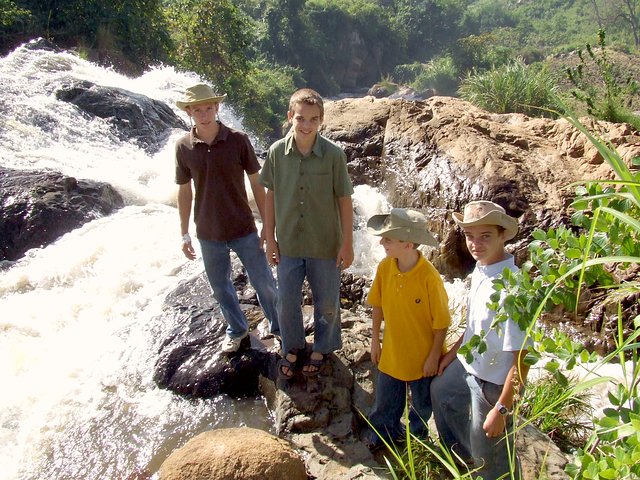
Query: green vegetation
{"type": "Point", "coordinates": [566, 419]}
{"type": "Point", "coordinates": [258, 51]}
{"type": "Point", "coordinates": [610, 95]}
{"type": "Point", "coordinates": [598, 254]}
{"type": "Point", "coordinates": [439, 75]}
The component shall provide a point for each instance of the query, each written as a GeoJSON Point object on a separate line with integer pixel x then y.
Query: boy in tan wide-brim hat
{"type": "Point", "coordinates": [409, 296]}
{"type": "Point", "coordinates": [472, 401]}
{"type": "Point", "coordinates": [215, 158]}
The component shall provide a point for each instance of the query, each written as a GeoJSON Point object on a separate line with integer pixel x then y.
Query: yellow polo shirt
{"type": "Point", "coordinates": [413, 303]}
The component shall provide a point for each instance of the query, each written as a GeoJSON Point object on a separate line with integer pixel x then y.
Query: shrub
{"type": "Point", "coordinates": [440, 74]}
{"type": "Point", "coordinates": [602, 86]}
{"type": "Point", "coordinates": [512, 88]}
{"type": "Point", "coordinates": [264, 98]}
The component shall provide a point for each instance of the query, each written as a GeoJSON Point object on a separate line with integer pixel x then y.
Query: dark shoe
{"type": "Point", "coordinates": [313, 365]}
{"type": "Point", "coordinates": [287, 367]}
{"type": "Point", "coordinates": [373, 445]}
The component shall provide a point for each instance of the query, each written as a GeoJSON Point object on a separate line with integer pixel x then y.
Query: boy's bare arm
{"type": "Point", "coordinates": [185, 199]}
{"type": "Point", "coordinates": [376, 350]}
{"type": "Point", "coordinates": [269, 219]}
{"type": "Point", "coordinates": [430, 367]}
{"type": "Point", "coordinates": [494, 423]}
{"type": "Point", "coordinates": [450, 356]}
{"type": "Point", "coordinates": [345, 255]}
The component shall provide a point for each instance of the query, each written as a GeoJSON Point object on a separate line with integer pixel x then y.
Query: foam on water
{"type": "Point", "coordinates": [79, 330]}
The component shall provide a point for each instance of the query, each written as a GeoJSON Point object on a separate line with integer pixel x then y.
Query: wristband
{"type": "Point", "coordinates": [186, 238]}
{"type": "Point", "coordinates": [504, 411]}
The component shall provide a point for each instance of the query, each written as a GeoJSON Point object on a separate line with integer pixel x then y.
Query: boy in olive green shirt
{"type": "Point", "coordinates": [309, 230]}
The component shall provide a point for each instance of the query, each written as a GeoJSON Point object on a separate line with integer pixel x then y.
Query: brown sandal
{"type": "Point", "coordinates": [286, 367]}
{"type": "Point", "coordinates": [313, 365]}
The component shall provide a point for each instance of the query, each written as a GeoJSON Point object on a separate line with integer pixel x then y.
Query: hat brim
{"type": "Point", "coordinates": [503, 220]}
{"type": "Point", "coordinates": [376, 226]}
{"type": "Point", "coordinates": [217, 99]}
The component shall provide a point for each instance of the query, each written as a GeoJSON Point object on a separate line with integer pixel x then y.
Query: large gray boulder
{"type": "Point", "coordinates": [39, 206]}
{"type": "Point", "coordinates": [132, 116]}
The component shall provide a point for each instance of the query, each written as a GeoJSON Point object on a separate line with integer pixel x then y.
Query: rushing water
{"type": "Point", "coordinates": [79, 328]}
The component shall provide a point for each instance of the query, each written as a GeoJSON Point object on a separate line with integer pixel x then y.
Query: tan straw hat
{"type": "Point", "coordinates": [199, 93]}
{"type": "Point", "coordinates": [404, 224]}
{"type": "Point", "coordinates": [483, 212]}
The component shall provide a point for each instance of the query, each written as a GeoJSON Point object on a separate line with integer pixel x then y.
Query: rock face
{"type": "Point", "coordinates": [234, 454]}
{"type": "Point", "coordinates": [438, 154]}
{"type": "Point", "coordinates": [38, 207]}
{"type": "Point", "coordinates": [132, 116]}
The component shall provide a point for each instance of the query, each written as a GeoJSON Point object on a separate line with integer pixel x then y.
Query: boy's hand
{"type": "Point", "coordinates": [345, 257]}
{"type": "Point", "coordinates": [273, 252]}
{"type": "Point", "coordinates": [375, 351]}
{"type": "Point", "coordinates": [187, 249]}
{"type": "Point", "coordinates": [446, 359]}
{"type": "Point", "coordinates": [494, 423]}
{"type": "Point", "coordinates": [430, 367]}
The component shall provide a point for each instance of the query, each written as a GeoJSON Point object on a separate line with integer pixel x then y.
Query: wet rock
{"type": "Point", "coordinates": [132, 116]}
{"type": "Point", "coordinates": [38, 207]}
{"type": "Point", "coordinates": [42, 44]}
{"type": "Point", "coordinates": [321, 416]}
{"type": "Point", "coordinates": [234, 454]}
{"type": "Point", "coordinates": [189, 360]}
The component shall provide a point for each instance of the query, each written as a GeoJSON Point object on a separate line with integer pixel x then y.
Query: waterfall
{"type": "Point", "coordinates": [79, 328]}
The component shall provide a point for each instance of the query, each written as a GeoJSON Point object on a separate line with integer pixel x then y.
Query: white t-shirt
{"type": "Point", "coordinates": [494, 364]}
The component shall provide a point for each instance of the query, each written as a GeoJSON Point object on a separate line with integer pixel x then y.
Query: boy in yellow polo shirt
{"type": "Point", "coordinates": [409, 296]}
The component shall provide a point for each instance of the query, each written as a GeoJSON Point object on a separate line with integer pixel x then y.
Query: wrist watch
{"type": "Point", "coordinates": [502, 409]}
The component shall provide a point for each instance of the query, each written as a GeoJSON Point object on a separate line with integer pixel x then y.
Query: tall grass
{"type": "Point", "coordinates": [512, 88]}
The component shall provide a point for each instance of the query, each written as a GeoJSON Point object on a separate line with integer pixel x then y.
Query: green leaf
{"type": "Point", "coordinates": [573, 253]}
{"type": "Point", "coordinates": [539, 235]}
{"type": "Point", "coordinates": [552, 365]}
{"type": "Point", "coordinates": [609, 473]}
{"type": "Point", "coordinates": [584, 356]}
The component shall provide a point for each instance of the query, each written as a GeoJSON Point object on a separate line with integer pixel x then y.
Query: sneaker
{"type": "Point", "coordinates": [231, 344]}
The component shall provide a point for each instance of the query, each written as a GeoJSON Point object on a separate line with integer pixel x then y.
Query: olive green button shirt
{"type": "Point", "coordinates": [306, 192]}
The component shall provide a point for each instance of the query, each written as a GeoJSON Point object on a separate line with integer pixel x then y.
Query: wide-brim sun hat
{"type": "Point", "coordinates": [197, 94]}
{"type": "Point", "coordinates": [484, 212]}
{"type": "Point", "coordinates": [405, 224]}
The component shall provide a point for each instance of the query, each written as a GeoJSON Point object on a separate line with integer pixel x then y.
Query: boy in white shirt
{"type": "Point", "coordinates": [472, 402]}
